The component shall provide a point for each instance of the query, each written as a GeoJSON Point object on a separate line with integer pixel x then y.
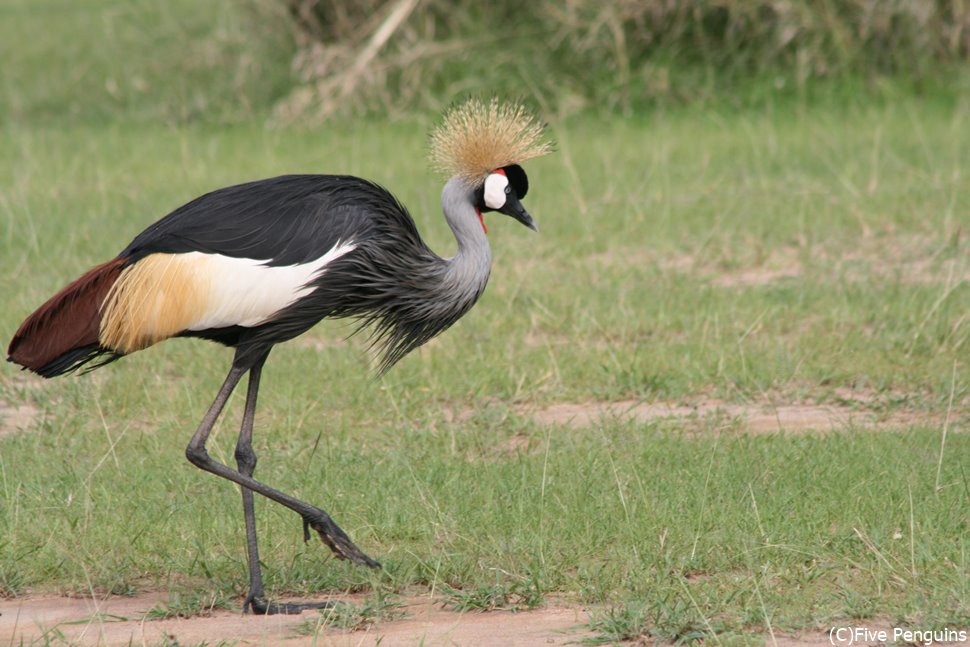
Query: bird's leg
{"type": "Point", "coordinates": [313, 517]}
{"type": "Point", "coordinates": [246, 461]}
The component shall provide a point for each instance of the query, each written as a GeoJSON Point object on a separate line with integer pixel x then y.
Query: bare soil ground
{"type": "Point", "coordinates": [757, 418]}
{"type": "Point", "coordinates": [883, 255]}
{"type": "Point", "coordinates": [123, 621]}
{"type": "Point", "coordinates": [15, 414]}
{"type": "Point", "coordinates": [14, 418]}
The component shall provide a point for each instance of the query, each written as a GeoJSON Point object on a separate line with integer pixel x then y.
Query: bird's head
{"type": "Point", "coordinates": [502, 191]}
{"type": "Point", "coordinates": [483, 144]}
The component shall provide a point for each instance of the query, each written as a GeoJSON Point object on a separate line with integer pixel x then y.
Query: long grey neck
{"type": "Point", "coordinates": [469, 268]}
{"type": "Point", "coordinates": [474, 256]}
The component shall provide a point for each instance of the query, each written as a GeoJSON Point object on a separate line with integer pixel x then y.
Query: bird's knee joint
{"type": "Point", "coordinates": [198, 456]}
{"type": "Point", "coordinates": [246, 458]}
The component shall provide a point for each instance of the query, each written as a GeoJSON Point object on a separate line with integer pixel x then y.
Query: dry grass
{"type": "Point", "coordinates": [616, 55]}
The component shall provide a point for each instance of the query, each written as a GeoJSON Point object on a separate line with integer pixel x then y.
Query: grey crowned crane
{"type": "Point", "coordinates": [253, 265]}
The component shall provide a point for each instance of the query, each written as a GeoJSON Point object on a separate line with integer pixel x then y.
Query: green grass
{"type": "Point", "coordinates": [634, 288]}
{"type": "Point", "coordinates": [140, 60]}
{"type": "Point", "coordinates": [515, 595]}
{"type": "Point", "coordinates": [354, 617]}
{"type": "Point", "coordinates": [188, 605]}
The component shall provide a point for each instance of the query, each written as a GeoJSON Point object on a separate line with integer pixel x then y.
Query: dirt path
{"type": "Point", "coordinates": [14, 418]}
{"type": "Point", "coordinates": [122, 621]}
{"type": "Point", "coordinates": [753, 418]}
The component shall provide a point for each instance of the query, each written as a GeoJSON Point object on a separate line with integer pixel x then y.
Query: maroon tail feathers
{"type": "Point", "coordinates": [62, 335]}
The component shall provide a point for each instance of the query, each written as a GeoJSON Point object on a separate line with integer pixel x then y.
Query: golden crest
{"type": "Point", "coordinates": [476, 137]}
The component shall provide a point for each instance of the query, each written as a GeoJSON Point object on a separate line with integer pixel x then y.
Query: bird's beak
{"type": "Point", "coordinates": [515, 209]}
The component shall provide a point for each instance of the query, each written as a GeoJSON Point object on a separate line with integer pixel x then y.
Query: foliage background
{"type": "Point", "coordinates": [628, 54]}
{"type": "Point", "coordinates": [293, 61]}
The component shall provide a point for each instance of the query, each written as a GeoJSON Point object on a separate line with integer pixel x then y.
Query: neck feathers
{"type": "Point", "coordinates": [470, 266]}
{"type": "Point", "coordinates": [468, 270]}
{"type": "Point", "coordinates": [434, 293]}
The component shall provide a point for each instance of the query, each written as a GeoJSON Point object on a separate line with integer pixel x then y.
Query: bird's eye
{"type": "Point", "coordinates": [508, 189]}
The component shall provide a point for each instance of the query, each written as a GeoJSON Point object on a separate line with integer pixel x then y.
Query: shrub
{"type": "Point", "coordinates": [617, 55]}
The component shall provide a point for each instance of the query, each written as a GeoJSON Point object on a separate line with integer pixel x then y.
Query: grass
{"type": "Point", "coordinates": [635, 288]}
{"type": "Point", "coordinates": [677, 624]}
{"type": "Point", "coordinates": [354, 617]}
{"type": "Point", "coordinates": [188, 605]}
{"type": "Point", "coordinates": [513, 595]}
{"type": "Point", "coordinates": [175, 61]}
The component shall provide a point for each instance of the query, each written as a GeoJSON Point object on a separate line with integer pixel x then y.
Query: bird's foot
{"type": "Point", "coordinates": [260, 606]}
{"type": "Point", "coordinates": [335, 538]}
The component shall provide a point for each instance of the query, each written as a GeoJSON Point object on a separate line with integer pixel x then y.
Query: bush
{"type": "Point", "coordinates": [616, 55]}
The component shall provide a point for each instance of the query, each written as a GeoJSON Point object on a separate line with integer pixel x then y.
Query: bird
{"type": "Point", "coordinates": [256, 264]}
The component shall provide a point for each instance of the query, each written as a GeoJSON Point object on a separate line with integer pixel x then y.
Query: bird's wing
{"type": "Point", "coordinates": [239, 256]}
{"type": "Point", "coordinates": [282, 221]}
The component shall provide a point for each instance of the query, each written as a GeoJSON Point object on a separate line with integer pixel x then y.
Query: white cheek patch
{"type": "Point", "coordinates": [495, 185]}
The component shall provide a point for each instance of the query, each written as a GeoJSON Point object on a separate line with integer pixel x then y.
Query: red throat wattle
{"type": "Point", "coordinates": [481, 219]}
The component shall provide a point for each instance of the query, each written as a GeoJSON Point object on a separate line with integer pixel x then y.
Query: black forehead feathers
{"type": "Point", "coordinates": [518, 179]}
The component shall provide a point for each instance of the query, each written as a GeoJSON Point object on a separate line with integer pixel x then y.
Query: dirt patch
{"type": "Point", "coordinates": [781, 264]}
{"type": "Point", "coordinates": [14, 418]}
{"type": "Point", "coordinates": [756, 276]}
{"type": "Point", "coordinates": [881, 256]}
{"type": "Point", "coordinates": [18, 417]}
{"type": "Point", "coordinates": [763, 418]}
{"type": "Point", "coordinates": [123, 621]}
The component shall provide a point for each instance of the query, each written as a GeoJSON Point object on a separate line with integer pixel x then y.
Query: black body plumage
{"type": "Point", "coordinates": [284, 220]}
{"type": "Point", "coordinates": [389, 281]}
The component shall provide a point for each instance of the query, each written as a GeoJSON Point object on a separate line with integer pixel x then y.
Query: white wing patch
{"type": "Point", "coordinates": [495, 185]}
{"type": "Point", "coordinates": [247, 292]}
{"type": "Point", "coordinates": [164, 294]}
